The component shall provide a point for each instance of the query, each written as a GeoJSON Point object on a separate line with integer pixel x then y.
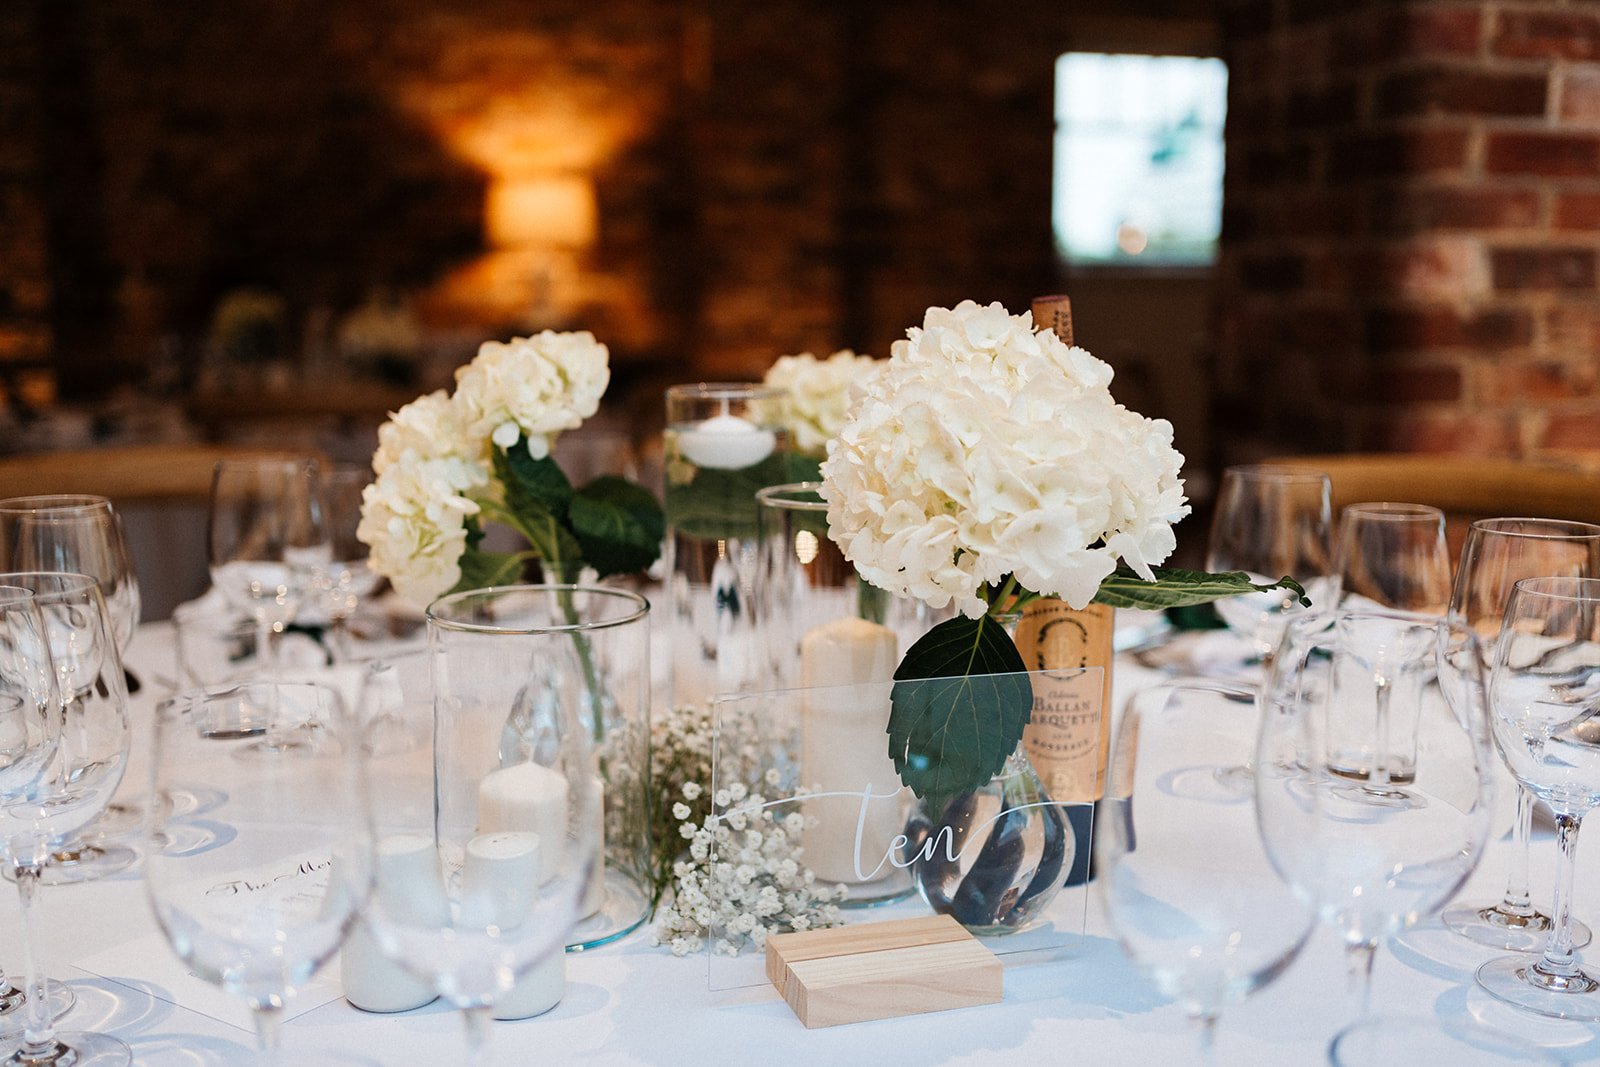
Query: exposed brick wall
{"type": "Point", "coordinates": [1412, 225]}
{"type": "Point", "coordinates": [24, 259]}
{"type": "Point", "coordinates": [771, 175]}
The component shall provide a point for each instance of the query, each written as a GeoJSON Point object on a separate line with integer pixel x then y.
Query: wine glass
{"type": "Point", "coordinates": [1374, 793]}
{"type": "Point", "coordinates": [1270, 521]}
{"type": "Point", "coordinates": [346, 580]}
{"type": "Point", "coordinates": [1496, 555]}
{"type": "Point", "coordinates": [83, 535]}
{"type": "Point", "coordinates": [1196, 905]}
{"type": "Point", "coordinates": [89, 691]}
{"type": "Point", "coordinates": [1391, 556]}
{"type": "Point", "coordinates": [267, 541]}
{"type": "Point", "coordinates": [260, 911]}
{"type": "Point", "coordinates": [78, 534]}
{"type": "Point", "coordinates": [1544, 697]}
{"type": "Point", "coordinates": [516, 813]}
{"type": "Point", "coordinates": [30, 730]}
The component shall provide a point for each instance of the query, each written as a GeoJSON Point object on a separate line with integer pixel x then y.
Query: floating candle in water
{"type": "Point", "coordinates": [844, 748]}
{"type": "Point", "coordinates": [725, 442]}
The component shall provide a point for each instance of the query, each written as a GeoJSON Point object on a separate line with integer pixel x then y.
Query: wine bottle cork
{"type": "Point", "coordinates": [1056, 313]}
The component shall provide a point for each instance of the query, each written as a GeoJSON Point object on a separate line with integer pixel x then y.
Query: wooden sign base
{"type": "Point", "coordinates": [881, 970]}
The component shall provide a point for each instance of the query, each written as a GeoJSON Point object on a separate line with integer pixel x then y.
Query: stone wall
{"type": "Point", "coordinates": [1412, 225]}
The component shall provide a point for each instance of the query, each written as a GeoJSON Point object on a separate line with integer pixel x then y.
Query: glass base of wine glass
{"type": "Point", "coordinates": [82, 862]}
{"type": "Point", "coordinates": [1516, 980]}
{"type": "Point", "coordinates": [1240, 779]}
{"type": "Point", "coordinates": [13, 1018]}
{"type": "Point", "coordinates": [80, 1048]}
{"type": "Point", "coordinates": [1388, 1040]}
{"type": "Point", "coordinates": [1487, 925]}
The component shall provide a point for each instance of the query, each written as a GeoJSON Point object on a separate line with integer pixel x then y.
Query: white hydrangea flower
{"type": "Point", "coordinates": [413, 521]}
{"type": "Point", "coordinates": [426, 428]}
{"type": "Point", "coordinates": [817, 395]}
{"type": "Point", "coordinates": [536, 386]}
{"type": "Point", "coordinates": [985, 448]}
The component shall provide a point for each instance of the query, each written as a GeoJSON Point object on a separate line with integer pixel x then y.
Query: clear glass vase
{"type": "Point", "coordinates": [995, 858]}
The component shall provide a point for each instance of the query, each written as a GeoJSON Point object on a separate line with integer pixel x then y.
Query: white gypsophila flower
{"type": "Point", "coordinates": [817, 395]}
{"type": "Point", "coordinates": [413, 521]}
{"type": "Point", "coordinates": [984, 449]}
{"type": "Point", "coordinates": [536, 386]}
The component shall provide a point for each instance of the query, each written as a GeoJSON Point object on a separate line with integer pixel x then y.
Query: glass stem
{"type": "Point", "coordinates": [1559, 959]}
{"type": "Point", "coordinates": [266, 645]}
{"type": "Point", "coordinates": [39, 1044]}
{"type": "Point", "coordinates": [477, 1020]}
{"type": "Point", "coordinates": [268, 1017]}
{"type": "Point", "coordinates": [1359, 956]}
{"type": "Point", "coordinates": [1208, 1037]}
{"type": "Point", "coordinates": [1517, 900]}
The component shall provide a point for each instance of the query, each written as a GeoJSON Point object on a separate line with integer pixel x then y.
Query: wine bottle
{"type": "Point", "coordinates": [1068, 737]}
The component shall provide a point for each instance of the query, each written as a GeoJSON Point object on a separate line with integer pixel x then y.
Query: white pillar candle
{"type": "Point", "coordinates": [499, 886]}
{"type": "Point", "coordinates": [845, 748]}
{"type": "Point", "coordinates": [526, 798]}
{"type": "Point", "coordinates": [726, 442]}
{"type": "Point", "coordinates": [409, 886]}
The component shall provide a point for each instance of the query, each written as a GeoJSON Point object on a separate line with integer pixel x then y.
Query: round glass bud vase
{"type": "Point", "coordinates": [550, 655]}
{"type": "Point", "coordinates": [995, 858]}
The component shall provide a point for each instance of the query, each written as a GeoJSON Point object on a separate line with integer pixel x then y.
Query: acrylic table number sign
{"type": "Point", "coordinates": [807, 825]}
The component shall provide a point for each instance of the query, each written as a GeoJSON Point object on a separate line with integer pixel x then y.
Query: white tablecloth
{"type": "Point", "coordinates": [631, 1003]}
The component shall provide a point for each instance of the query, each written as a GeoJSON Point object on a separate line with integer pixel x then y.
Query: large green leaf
{"type": "Point", "coordinates": [1175, 588]}
{"type": "Point", "coordinates": [958, 708]}
{"type": "Point", "coordinates": [618, 525]}
{"type": "Point", "coordinates": [480, 570]}
{"type": "Point", "coordinates": [533, 486]}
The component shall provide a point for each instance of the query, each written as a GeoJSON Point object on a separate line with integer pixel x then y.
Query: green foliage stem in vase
{"type": "Point", "coordinates": [987, 465]}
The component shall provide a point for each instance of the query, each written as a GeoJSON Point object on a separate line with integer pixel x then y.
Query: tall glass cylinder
{"type": "Point", "coordinates": [513, 668]}
{"type": "Point", "coordinates": [826, 630]}
{"type": "Point", "coordinates": [723, 443]}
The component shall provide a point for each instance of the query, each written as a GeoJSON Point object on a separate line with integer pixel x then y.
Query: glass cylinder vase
{"type": "Point", "coordinates": [532, 658]}
{"type": "Point", "coordinates": [722, 444]}
{"type": "Point", "coordinates": [826, 631]}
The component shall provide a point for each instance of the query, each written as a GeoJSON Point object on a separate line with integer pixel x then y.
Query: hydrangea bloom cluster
{"type": "Point", "coordinates": [818, 394]}
{"type": "Point", "coordinates": [432, 464]}
{"type": "Point", "coordinates": [986, 449]}
{"type": "Point", "coordinates": [742, 877]}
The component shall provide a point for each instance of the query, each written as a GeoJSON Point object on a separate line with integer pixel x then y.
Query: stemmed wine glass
{"type": "Point", "coordinates": [1497, 554]}
{"type": "Point", "coordinates": [1270, 521]}
{"type": "Point", "coordinates": [89, 690]}
{"type": "Point", "coordinates": [1392, 556]}
{"type": "Point", "coordinates": [346, 580]}
{"type": "Point", "coordinates": [267, 541]}
{"type": "Point", "coordinates": [516, 821]}
{"type": "Point", "coordinates": [1277, 521]}
{"type": "Point", "coordinates": [1544, 699]}
{"type": "Point", "coordinates": [1375, 817]}
{"type": "Point", "coordinates": [1196, 905]}
{"type": "Point", "coordinates": [30, 730]}
{"type": "Point", "coordinates": [260, 911]}
{"type": "Point", "coordinates": [80, 534]}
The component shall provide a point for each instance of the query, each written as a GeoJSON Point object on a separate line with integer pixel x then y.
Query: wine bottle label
{"type": "Point", "coordinates": [1068, 737]}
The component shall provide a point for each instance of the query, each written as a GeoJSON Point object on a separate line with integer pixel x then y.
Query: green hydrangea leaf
{"type": "Point", "coordinates": [1176, 588]}
{"type": "Point", "coordinates": [958, 708]}
{"type": "Point", "coordinates": [618, 525]}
